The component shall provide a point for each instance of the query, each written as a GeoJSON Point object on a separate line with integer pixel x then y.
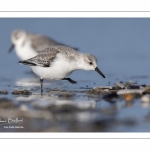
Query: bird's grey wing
{"type": "Point", "coordinates": [43, 59]}
{"type": "Point", "coordinates": [39, 42]}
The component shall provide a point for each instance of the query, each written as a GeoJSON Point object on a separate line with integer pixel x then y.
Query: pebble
{"type": "Point", "coordinates": [3, 92]}
{"type": "Point", "coordinates": [130, 91]}
{"type": "Point", "coordinates": [128, 97]}
{"type": "Point", "coordinates": [120, 85]}
{"type": "Point", "coordinates": [23, 92]}
{"type": "Point", "coordinates": [145, 98]}
{"type": "Point", "coordinates": [23, 107]}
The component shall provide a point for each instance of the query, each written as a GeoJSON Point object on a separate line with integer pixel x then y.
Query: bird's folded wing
{"type": "Point", "coordinates": [44, 58]}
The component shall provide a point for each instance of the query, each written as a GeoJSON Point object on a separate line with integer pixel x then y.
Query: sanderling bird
{"type": "Point", "coordinates": [58, 62]}
{"type": "Point", "coordinates": [28, 45]}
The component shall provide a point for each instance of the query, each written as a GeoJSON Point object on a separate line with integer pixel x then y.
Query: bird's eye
{"type": "Point", "coordinates": [90, 63]}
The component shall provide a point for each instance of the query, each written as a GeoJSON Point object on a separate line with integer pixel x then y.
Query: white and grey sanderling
{"type": "Point", "coordinates": [58, 62]}
{"type": "Point", "coordinates": [28, 45]}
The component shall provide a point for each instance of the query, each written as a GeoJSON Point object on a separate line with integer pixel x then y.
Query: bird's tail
{"type": "Point", "coordinates": [26, 62]}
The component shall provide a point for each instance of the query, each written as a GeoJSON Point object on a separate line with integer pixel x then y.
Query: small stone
{"type": "Point", "coordinates": [120, 85]}
{"type": "Point", "coordinates": [23, 108]}
{"type": "Point", "coordinates": [128, 97]}
{"type": "Point", "coordinates": [106, 90]}
{"type": "Point", "coordinates": [110, 97]}
{"type": "Point", "coordinates": [145, 98]}
{"type": "Point", "coordinates": [3, 92]}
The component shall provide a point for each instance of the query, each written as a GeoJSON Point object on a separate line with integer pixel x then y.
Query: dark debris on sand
{"type": "Point", "coordinates": [5, 92]}
{"type": "Point", "coordinates": [21, 92]}
{"type": "Point", "coordinates": [123, 90]}
{"type": "Point", "coordinates": [6, 103]}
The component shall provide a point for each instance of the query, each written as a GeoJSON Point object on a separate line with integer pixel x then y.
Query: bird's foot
{"type": "Point", "coordinates": [70, 80]}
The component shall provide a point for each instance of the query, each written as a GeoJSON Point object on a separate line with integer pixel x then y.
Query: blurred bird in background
{"type": "Point", "coordinates": [28, 45]}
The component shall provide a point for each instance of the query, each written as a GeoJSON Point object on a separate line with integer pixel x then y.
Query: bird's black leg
{"type": "Point", "coordinates": [70, 80]}
{"type": "Point", "coordinates": [41, 81]}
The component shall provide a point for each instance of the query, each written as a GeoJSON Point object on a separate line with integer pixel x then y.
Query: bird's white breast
{"type": "Point", "coordinates": [59, 69]}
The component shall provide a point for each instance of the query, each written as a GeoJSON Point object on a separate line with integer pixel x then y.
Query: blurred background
{"type": "Point", "coordinates": [122, 48]}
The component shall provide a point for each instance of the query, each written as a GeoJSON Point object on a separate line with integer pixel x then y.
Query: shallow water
{"type": "Point", "coordinates": [122, 49]}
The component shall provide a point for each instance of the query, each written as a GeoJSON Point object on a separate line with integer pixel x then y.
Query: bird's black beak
{"type": "Point", "coordinates": [11, 48]}
{"type": "Point", "coordinates": [97, 70]}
